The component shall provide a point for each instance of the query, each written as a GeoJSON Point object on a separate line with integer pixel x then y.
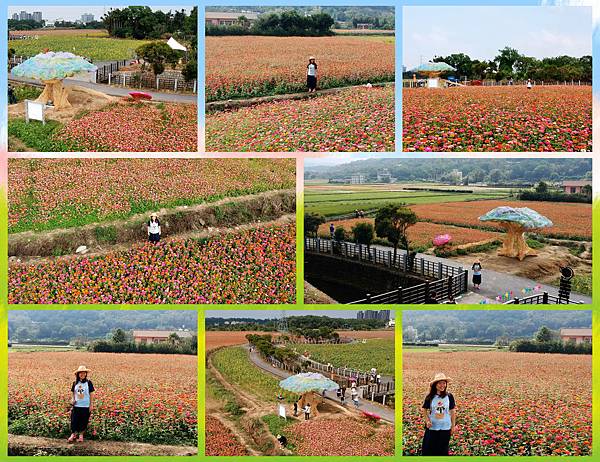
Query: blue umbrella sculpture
{"type": "Point", "coordinates": [432, 68]}
{"type": "Point", "coordinates": [516, 221]}
{"type": "Point", "coordinates": [51, 68]}
{"type": "Point", "coordinates": [308, 381]}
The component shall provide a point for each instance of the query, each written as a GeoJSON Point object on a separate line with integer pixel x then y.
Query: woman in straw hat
{"type": "Point", "coordinates": [81, 404]}
{"type": "Point", "coordinates": [311, 75]}
{"type": "Point", "coordinates": [439, 412]}
{"type": "Point", "coordinates": [153, 226]}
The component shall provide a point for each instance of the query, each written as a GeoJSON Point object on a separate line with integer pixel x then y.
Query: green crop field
{"type": "Point", "coordinates": [378, 353]}
{"type": "Point", "coordinates": [235, 366]}
{"type": "Point", "coordinates": [341, 202]}
{"type": "Point", "coordinates": [91, 46]}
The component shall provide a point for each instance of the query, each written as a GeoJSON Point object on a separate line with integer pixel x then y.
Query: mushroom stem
{"type": "Point", "coordinates": [514, 244]}
{"type": "Point", "coordinates": [55, 91]}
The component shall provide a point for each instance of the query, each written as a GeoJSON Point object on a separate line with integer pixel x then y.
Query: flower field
{"type": "Point", "coordinates": [53, 193]}
{"type": "Point", "coordinates": [550, 118]}
{"type": "Point", "coordinates": [422, 233]}
{"type": "Point", "coordinates": [220, 441]}
{"type": "Point", "coordinates": [570, 219]}
{"type": "Point", "coordinates": [341, 437]}
{"type": "Point", "coordinates": [508, 404]}
{"type": "Point", "coordinates": [139, 397]}
{"type": "Point", "coordinates": [93, 44]}
{"type": "Point", "coordinates": [378, 353]}
{"type": "Point", "coordinates": [276, 65]}
{"type": "Point", "coordinates": [351, 120]}
{"type": "Point", "coordinates": [256, 266]}
{"type": "Point", "coordinates": [135, 127]}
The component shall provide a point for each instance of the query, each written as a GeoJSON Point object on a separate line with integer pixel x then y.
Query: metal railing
{"type": "Point", "coordinates": [448, 281]}
{"type": "Point", "coordinates": [542, 299]}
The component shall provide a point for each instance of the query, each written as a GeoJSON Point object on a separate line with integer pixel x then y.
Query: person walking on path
{"type": "Point", "coordinates": [311, 75]}
{"type": "Point", "coordinates": [439, 412]}
{"type": "Point", "coordinates": [295, 408]}
{"type": "Point", "coordinates": [332, 231]}
{"type": "Point", "coordinates": [81, 404]}
{"type": "Point", "coordinates": [307, 412]}
{"type": "Point", "coordinates": [476, 274]}
{"type": "Point", "coordinates": [153, 226]}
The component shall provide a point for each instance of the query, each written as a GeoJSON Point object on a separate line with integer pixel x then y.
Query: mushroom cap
{"type": "Point", "coordinates": [53, 65]}
{"type": "Point", "coordinates": [526, 217]}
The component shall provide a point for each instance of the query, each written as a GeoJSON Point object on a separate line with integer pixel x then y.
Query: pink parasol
{"type": "Point", "coordinates": [441, 240]}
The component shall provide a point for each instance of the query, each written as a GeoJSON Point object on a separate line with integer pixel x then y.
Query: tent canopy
{"type": "Point", "coordinates": [175, 45]}
{"type": "Point", "coordinates": [433, 67]}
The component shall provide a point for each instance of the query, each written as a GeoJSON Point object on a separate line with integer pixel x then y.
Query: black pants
{"type": "Point", "coordinates": [154, 237]}
{"type": "Point", "coordinates": [80, 417]}
{"type": "Point", "coordinates": [436, 443]}
{"type": "Point", "coordinates": [311, 82]}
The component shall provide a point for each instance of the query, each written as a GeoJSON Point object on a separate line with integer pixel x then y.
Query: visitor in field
{"type": "Point", "coordinates": [529, 84]}
{"type": "Point", "coordinates": [282, 440]}
{"type": "Point", "coordinates": [331, 230]}
{"type": "Point", "coordinates": [81, 404]}
{"type": "Point", "coordinates": [355, 401]}
{"type": "Point", "coordinates": [439, 412]}
{"type": "Point", "coordinates": [295, 408]}
{"type": "Point", "coordinates": [476, 274]}
{"type": "Point", "coordinates": [311, 75]}
{"type": "Point", "coordinates": [153, 226]}
{"type": "Point", "coordinates": [307, 412]}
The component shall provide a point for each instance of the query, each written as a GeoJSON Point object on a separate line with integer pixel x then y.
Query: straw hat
{"type": "Point", "coordinates": [439, 377]}
{"type": "Point", "coordinates": [154, 214]}
{"type": "Point", "coordinates": [311, 57]}
{"type": "Point", "coordinates": [82, 369]}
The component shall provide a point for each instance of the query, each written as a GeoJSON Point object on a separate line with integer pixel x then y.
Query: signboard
{"type": "Point", "coordinates": [34, 110]}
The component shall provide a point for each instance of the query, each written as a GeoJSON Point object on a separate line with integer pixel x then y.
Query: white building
{"type": "Point", "coordinates": [358, 178]}
{"type": "Point", "coordinates": [87, 17]}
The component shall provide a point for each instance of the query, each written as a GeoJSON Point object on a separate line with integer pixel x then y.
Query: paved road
{"type": "Point", "coordinates": [365, 405]}
{"type": "Point", "coordinates": [122, 91]}
{"type": "Point", "coordinates": [495, 283]}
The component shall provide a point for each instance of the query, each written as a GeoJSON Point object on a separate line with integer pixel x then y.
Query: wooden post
{"type": "Point", "coordinates": [175, 85]}
{"type": "Point", "coordinates": [439, 271]}
{"type": "Point", "coordinates": [545, 298]}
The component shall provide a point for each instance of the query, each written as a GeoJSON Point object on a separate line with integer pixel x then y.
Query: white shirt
{"type": "Point", "coordinates": [154, 227]}
{"type": "Point", "coordinates": [312, 69]}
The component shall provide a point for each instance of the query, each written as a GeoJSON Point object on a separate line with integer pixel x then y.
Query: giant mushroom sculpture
{"type": "Point", "coordinates": [51, 68]}
{"type": "Point", "coordinates": [516, 221]}
{"type": "Point", "coordinates": [307, 384]}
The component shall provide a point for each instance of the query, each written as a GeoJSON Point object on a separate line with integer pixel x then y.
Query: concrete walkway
{"type": "Point", "coordinates": [494, 283]}
{"type": "Point", "coordinates": [386, 414]}
{"type": "Point", "coordinates": [120, 91]}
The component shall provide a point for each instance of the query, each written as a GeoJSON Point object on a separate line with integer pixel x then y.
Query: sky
{"type": "Point", "coordinates": [481, 31]}
{"type": "Point", "coordinates": [70, 13]}
{"type": "Point", "coordinates": [271, 314]}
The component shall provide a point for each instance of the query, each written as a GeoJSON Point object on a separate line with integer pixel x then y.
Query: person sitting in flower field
{"type": "Point", "coordinates": [81, 404]}
{"type": "Point", "coordinates": [153, 226]}
{"type": "Point", "coordinates": [311, 75]}
{"type": "Point", "coordinates": [439, 412]}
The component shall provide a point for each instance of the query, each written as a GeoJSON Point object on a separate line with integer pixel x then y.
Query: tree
{"type": "Point", "coordinates": [364, 233]}
{"type": "Point", "coordinates": [541, 187]}
{"type": "Point", "coordinates": [586, 190]}
{"type": "Point", "coordinates": [174, 339]}
{"type": "Point", "coordinates": [340, 234]}
{"type": "Point", "coordinates": [119, 336]}
{"type": "Point", "coordinates": [157, 54]}
{"type": "Point", "coordinates": [391, 223]}
{"type": "Point", "coordinates": [312, 221]}
{"type": "Point", "coordinates": [544, 335]}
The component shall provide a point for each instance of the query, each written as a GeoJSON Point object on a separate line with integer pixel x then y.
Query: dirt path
{"type": "Point", "coordinates": [19, 445]}
{"type": "Point", "coordinates": [228, 213]}
{"type": "Point", "coordinates": [230, 104]}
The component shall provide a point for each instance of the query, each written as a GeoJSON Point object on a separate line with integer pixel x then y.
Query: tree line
{"type": "Point", "coordinates": [121, 341]}
{"type": "Point", "coordinates": [285, 24]}
{"type": "Point", "coordinates": [30, 24]}
{"type": "Point", "coordinates": [486, 326]}
{"type": "Point", "coordinates": [549, 341]}
{"type": "Point", "coordinates": [300, 323]}
{"type": "Point", "coordinates": [495, 171]}
{"type": "Point", "coordinates": [510, 64]}
{"type": "Point", "coordinates": [140, 23]}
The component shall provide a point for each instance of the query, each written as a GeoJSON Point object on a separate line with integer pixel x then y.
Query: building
{"type": "Point", "coordinates": [384, 176]}
{"type": "Point", "coordinates": [576, 335]}
{"type": "Point", "coordinates": [358, 178]}
{"type": "Point", "coordinates": [217, 18]}
{"type": "Point", "coordinates": [24, 16]}
{"type": "Point", "coordinates": [158, 336]}
{"type": "Point", "coordinates": [87, 17]}
{"type": "Point", "coordinates": [15, 16]}
{"type": "Point", "coordinates": [575, 187]}
{"type": "Point", "coordinates": [383, 315]}
{"type": "Point", "coordinates": [37, 16]}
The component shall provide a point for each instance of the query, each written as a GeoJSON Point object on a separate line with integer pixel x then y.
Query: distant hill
{"type": "Point", "coordinates": [489, 325]}
{"type": "Point", "coordinates": [502, 170]}
{"type": "Point", "coordinates": [92, 324]}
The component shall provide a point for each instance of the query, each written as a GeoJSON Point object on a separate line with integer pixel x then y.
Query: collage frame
{"type": "Point", "coordinates": [201, 309]}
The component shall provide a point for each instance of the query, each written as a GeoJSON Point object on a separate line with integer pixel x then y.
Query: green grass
{"type": "Point", "coordinates": [217, 391]}
{"type": "Point", "coordinates": [377, 353]}
{"type": "Point", "coordinates": [450, 348]}
{"type": "Point", "coordinates": [581, 283]}
{"type": "Point", "coordinates": [38, 136]}
{"type": "Point", "coordinates": [235, 365]}
{"type": "Point", "coordinates": [341, 203]}
{"type": "Point", "coordinates": [96, 48]}
{"type": "Point", "coordinates": [277, 426]}
{"type": "Point", "coordinates": [36, 348]}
